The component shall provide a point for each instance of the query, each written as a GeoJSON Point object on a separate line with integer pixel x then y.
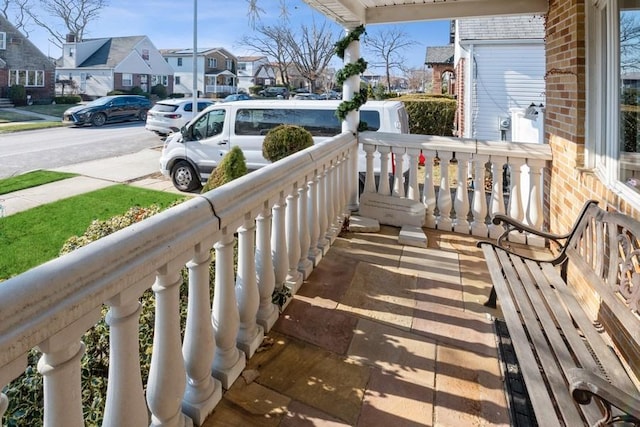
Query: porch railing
{"type": "Point", "coordinates": [283, 217]}
{"type": "Point", "coordinates": [220, 89]}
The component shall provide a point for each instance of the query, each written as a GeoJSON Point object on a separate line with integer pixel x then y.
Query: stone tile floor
{"type": "Point", "coordinates": [379, 335]}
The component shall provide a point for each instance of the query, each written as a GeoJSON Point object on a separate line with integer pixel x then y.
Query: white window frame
{"type": "Point", "coordinates": [27, 78]}
{"type": "Point", "coordinates": [229, 64]}
{"type": "Point", "coordinates": [213, 62]}
{"type": "Point", "coordinates": [127, 77]}
{"type": "Point", "coordinates": [3, 40]}
{"type": "Point", "coordinates": [179, 62]}
{"type": "Point", "coordinates": [602, 146]}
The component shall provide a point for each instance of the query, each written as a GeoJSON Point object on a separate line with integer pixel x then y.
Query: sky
{"type": "Point", "coordinates": [222, 23]}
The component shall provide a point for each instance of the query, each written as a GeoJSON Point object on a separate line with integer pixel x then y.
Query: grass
{"type": "Point", "coordinates": [31, 179]}
{"type": "Point", "coordinates": [49, 109]}
{"type": "Point", "coordinates": [13, 121]}
{"type": "Point", "coordinates": [35, 236]}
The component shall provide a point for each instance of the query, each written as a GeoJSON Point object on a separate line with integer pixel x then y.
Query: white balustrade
{"type": "Point", "coordinates": [443, 220]}
{"type": "Point", "coordinates": [461, 203]}
{"type": "Point", "coordinates": [314, 253]}
{"type": "Point", "coordinates": [305, 266]}
{"type": "Point", "coordinates": [479, 207]}
{"type": "Point", "coordinates": [294, 277]}
{"type": "Point", "coordinates": [267, 310]}
{"type": "Point", "coordinates": [279, 242]}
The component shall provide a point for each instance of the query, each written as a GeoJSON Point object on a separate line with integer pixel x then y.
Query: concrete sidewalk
{"type": "Point", "coordinates": [139, 169]}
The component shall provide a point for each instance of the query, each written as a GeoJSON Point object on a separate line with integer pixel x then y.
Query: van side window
{"type": "Point", "coordinates": [209, 125]}
{"type": "Point", "coordinates": [371, 118]}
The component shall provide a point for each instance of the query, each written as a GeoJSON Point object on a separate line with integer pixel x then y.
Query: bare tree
{"type": "Point", "coordinates": [629, 42]}
{"type": "Point", "coordinates": [74, 14]}
{"type": "Point", "coordinates": [271, 42]}
{"type": "Point", "coordinates": [385, 48]}
{"type": "Point", "coordinates": [312, 50]}
{"type": "Point", "coordinates": [15, 11]}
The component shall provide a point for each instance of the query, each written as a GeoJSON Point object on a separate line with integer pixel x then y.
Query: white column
{"type": "Point", "coordinates": [479, 207]}
{"type": "Point", "coordinates": [398, 176]}
{"type": "Point", "coordinates": [349, 87]}
{"type": "Point", "coordinates": [461, 204]}
{"type": "Point", "coordinates": [60, 366]}
{"type": "Point", "coordinates": [305, 266]}
{"type": "Point", "coordinates": [497, 197]}
{"type": "Point", "coordinates": [413, 192]}
{"type": "Point", "coordinates": [203, 391]}
{"type": "Point", "coordinates": [444, 193]}
{"type": "Point", "coordinates": [267, 311]}
{"type": "Point", "coordinates": [279, 243]}
{"type": "Point", "coordinates": [167, 376]}
{"type": "Point", "coordinates": [250, 335]}
{"type": "Point", "coordinates": [536, 200]}
{"type": "Point", "coordinates": [294, 278]}
{"type": "Point", "coordinates": [383, 185]}
{"type": "Point", "coordinates": [515, 197]}
{"type": "Point", "coordinates": [428, 191]}
{"type": "Point", "coordinates": [125, 404]}
{"type": "Point", "coordinates": [228, 362]}
{"type": "Point", "coordinates": [314, 254]}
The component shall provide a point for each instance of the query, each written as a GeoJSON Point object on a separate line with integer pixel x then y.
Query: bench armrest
{"type": "Point", "coordinates": [585, 385]}
{"type": "Point", "coordinates": [511, 224]}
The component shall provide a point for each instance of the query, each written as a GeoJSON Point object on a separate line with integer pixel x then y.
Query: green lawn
{"type": "Point", "coordinates": [13, 121]}
{"type": "Point", "coordinates": [31, 179]}
{"type": "Point", "coordinates": [32, 237]}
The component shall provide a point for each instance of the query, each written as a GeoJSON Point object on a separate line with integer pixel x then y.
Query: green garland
{"type": "Point", "coordinates": [349, 70]}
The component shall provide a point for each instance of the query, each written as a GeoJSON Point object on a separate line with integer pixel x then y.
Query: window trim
{"type": "Point", "coordinates": [15, 77]}
{"type": "Point", "coordinates": [3, 40]}
{"type": "Point", "coordinates": [124, 80]}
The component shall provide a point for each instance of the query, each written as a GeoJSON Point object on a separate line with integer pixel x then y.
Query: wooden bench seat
{"type": "Point", "coordinates": [577, 341]}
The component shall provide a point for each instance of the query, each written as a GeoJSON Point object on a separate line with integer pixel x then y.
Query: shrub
{"type": "Point", "coordinates": [284, 140]}
{"type": "Point", "coordinates": [233, 165]}
{"type": "Point", "coordinates": [68, 99]}
{"type": "Point", "coordinates": [253, 90]}
{"type": "Point", "coordinates": [18, 95]}
{"type": "Point", "coordinates": [429, 115]}
{"type": "Point", "coordinates": [160, 90]}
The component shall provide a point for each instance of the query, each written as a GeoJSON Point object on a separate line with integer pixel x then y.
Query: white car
{"type": "Point", "coordinates": [169, 115]}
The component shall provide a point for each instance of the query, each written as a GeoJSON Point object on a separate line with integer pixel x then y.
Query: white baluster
{"type": "Point", "coordinates": [497, 196]}
{"type": "Point", "coordinates": [267, 311]}
{"type": "Point", "coordinates": [461, 204]}
{"type": "Point", "coordinates": [305, 266]}
{"type": "Point", "coordinates": [354, 179]}
{"type": "Point", "coordinates": [515, 197]}
{"type": "Point", "coordinates": [383, 185]}
{"type": "Point", "coordinates": [323, 242]}
{"type": "Point", "coordinates": [125, 403]}
{"type": "Point", "coordinates": [370, 180]}
{"type": "Point", "coordinates": [203, 392]}
{"type": "Point", "coordinates": [60, 367]}
{"type": "Point", "coordinates": [428, 191]}
{"type": "Point", "coordinates": [335, 218]}
{"type": "Point", "coordinates": [228, 362]}
{"type": "Point", "coordinates": [398, 176]}
{"type": "Point", "coordinates": [444, 193]}
{"type": "Point", "coordinates": [479, 209]}
{"type": "Point", "coordinates": [167, 376]}
{"type": "Point", "coordinates": [279, 242]}
{"type": "Point", "coordinates": [294, 278]}
{"type": "Point", "coordinates": [536, 201]}
{"type": "Point", "coordinates": [314, 253]}
{"type": "Point", "coordinates": [413, 192]}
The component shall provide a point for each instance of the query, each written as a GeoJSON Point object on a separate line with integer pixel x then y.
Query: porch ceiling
{"type": "Point", "coordinates": [351, 13]}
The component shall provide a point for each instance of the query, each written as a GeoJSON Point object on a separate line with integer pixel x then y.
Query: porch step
{"type": "Point", "coordinates": [360, 224]}
{"type": "Point", "coordinates": [412, 236]}
{"type": "Point", "coordinates": [6, 103]}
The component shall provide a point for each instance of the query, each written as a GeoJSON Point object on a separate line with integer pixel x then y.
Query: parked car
{"type": "Point", "coordinates": [237, 97]}
{"type": "Point", "coordinates": [310, 96]}
{"type": "Point", "coordinates": [330, 94]}
{"type": "Point", "coordinates": [170, 115]}
{"type": "Point", "coordinates": [108, 109]}
{"type": "Point", "coordinates": [275, 92]}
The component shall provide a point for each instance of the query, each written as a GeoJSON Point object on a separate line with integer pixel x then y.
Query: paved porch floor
{"type": "Point", "coordinates": [379, 335]}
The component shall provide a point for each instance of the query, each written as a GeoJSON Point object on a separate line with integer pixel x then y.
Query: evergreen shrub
{"type": "Point", "coordinates": [430, 115]}
{"type": "Point", "coordinates": [233, 165]}
{"type": "Point", "coordinates": [284, 140]}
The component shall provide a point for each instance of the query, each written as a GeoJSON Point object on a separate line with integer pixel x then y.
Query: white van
{"type": "Point", "coordinates": [189, 156]}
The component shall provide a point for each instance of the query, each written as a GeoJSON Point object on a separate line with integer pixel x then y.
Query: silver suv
{"type": "Point", "coordinates": [170, 115]}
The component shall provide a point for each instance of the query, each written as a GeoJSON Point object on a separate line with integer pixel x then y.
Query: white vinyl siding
{"type": "Point", "coordinates": [504, 77]}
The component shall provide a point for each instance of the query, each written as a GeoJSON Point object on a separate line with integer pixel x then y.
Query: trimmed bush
{"type": "Point", "coordinates": [68, 99]}
{"type": "Point", "coordinates": [284, 140]}
{"type": "Point", "coordinates": [233, 165]}
{"type": "Point", "coordinates": [253, 90]}
{"type": "Point", "coordinates": [430, 115]}
{"type": "Point", "coordinates": [160, 90]}
{"type": "Point", "coordinates": [18, 95]}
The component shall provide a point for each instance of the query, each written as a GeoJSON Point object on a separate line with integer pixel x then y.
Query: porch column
{"type": "Point", "coordinates": [350, 124]}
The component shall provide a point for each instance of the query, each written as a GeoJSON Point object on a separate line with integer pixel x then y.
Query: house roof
{"type": "Point", "coordinates": [112, 52]}
{"type": "Point", "coordinates": [250, 58]}
{"type": "Point", "coordinates": [502, 28]}
{"type": "Point", "coordinates": [439, 55]}
{"type": "Point", "coordinates": [199, 51]}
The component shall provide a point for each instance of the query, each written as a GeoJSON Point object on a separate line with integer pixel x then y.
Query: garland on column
{"type": "Point", "coordinates": [349, 70]}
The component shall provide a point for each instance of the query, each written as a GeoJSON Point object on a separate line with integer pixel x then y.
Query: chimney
{"type": "Point", "coordinates": [71, 38]}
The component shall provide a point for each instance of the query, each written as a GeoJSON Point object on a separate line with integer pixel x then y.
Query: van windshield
{"type": "Point", "coordinates": [320, 122]}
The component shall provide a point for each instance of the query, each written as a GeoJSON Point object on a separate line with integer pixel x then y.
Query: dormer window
{"type": "Point", "coordinates": [3, 40]}
{"type": "Point", "coordinates": [213, 63]}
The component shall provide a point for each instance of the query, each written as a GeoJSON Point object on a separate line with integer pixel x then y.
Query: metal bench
{"type": "Point", "coordinates": [577, 340]}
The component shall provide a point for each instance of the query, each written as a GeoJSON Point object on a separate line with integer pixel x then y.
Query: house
{"type": "Point", "coordinates": [101, 65]}
{"type": "Point", "coordinates": [22, 63]}
{"type": "Point", "coordinates": [216, 70]}
{"type": "Point", "coordinates": [254, 71]}
{"type": "Point", "coordinates": [440, 60]}
{"type": "Point", "coordinates": [493, 87]}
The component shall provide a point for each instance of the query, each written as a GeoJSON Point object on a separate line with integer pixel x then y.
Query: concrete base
{"type": "Point", "coordinates": [294, 283]}
{"type": "Point", "coordinates": [359, 224]}
{"type": "Point", "coordinates": [229, 375]}
{"type": "Point", "coordinates": [305, 268]}
{"type": "Point", "coordinates": [393, 211]}
{"type": "Point", "coordinates": [412, 236]}
{"type": "Point", "coordinates": [199, 412]}
{"type": "Point", "coordinates": [315, 256]}
{"type": "Point", "coordinates": [250, 346]}
{"type": "Point", "coordinates": [267, 322]}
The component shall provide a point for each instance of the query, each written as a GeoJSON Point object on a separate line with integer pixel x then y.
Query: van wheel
{"type": "Point", "coordinates": [184, 177]}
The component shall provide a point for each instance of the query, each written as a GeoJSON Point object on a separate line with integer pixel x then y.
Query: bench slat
{"type": "Point", "coordinates": [540, 399]}
{"type": "Point", "coordinates": [528, 302]}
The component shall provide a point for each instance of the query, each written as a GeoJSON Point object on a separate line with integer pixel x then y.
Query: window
{"type": "Point", "coordinates": [27, 78]}
{"type": "Point", "coordinates": [156, 79]}
{"type": "Point", "coordinates": [176, 80]}
{"type": "Point", "coordinates": [213, 62]}
{"type": "Point", "coordinates": [145, 54]}
{"type": "Point", "coordinates": [209, 125]}
{"type": "Point", "coordinates": [229, 64]}
{"type": "Point", "coordinates": [613, 146]}
{"type": "Point", "coordinates": [71, 52]}
{"type": "Point", "coordinates": [127, 79]}
{"type": "Point", "coordinates": [3, 40]}
{"type": "Point", "coordinates": [242, 66]}
{"type": "Point", "coordinates": [179, 62]}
